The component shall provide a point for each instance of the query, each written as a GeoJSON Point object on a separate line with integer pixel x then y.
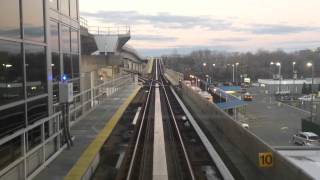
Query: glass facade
{"type": "Point", "coordinates": [12, 119]}
{"type": "Point", "coordinates": [10, 19]}
{"type": "Point", "coordinates": [64, 5]}
{"type": "Point", "coordinates": [33, 20]}
{"type": "Point", "coordinates": [11, 72]}
{"type": "Point", "coordinates": [36, 74]}
{"type": "Point", "coordinates": [53, 4]}
{"type": "Point", "coordinates": [37, 110]}
{"type": "Point", "coordinates": [54, 36]}
{"type": "Point", "coordinates": [65, 39]}
{"type": "Point", "coordinates": [27, 62]}
{"type": "Point", "coordinates": [55, 65]}
{"type": "Point", "coordinates": [73, 9]}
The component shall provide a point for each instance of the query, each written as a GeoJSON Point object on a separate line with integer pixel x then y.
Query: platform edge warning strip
{"type": "Point", "coordinates": [83, 164]}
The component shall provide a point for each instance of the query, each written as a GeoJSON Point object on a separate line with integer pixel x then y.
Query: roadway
{"type": "Point", "coordinates": [272, 121]}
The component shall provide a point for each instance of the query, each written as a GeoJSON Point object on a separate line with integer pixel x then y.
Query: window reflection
{"type": "Point", "coordinates": [10, 19]}
{"type": "Point", "coordinates": [34, 137]}
{"type": "Point", "coordinates": [64, 7]}
{"type": "Point", "coordinates": [37, 110]}
{"type": "Point", "coordinates": [75, 66]}
{"type": "Point", "coordinates": [54, 38]}
{"type": "Point", "coordinates": [73, 9]}
{"type": "Point", "coordinates": [55, 67]}
{"type": "Point", "coordinates": [12, 119]}
{"type": "Point", "coordinates": [74, 41]}
{"type": "Point", "coordinates": [11, 72]}
{"type": "Point", "coordinates": [36, 70]}
{"type": "Point", "coordinates": [65, 39]}
{"type": "Point", "coordinates": [67, 65]}
{"type": "Point", "coordinates": [33, 20]}
{"type": "Point", "coordinates": [10, 151]}
{"type": "Point", "coordinates": [53, 4]}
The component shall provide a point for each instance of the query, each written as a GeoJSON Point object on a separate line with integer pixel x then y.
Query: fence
{"type": "Point", "coordinates": [31, 153]}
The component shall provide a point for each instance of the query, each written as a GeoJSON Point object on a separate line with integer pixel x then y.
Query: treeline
{"type": "Point", "coordinates": [254, 65]}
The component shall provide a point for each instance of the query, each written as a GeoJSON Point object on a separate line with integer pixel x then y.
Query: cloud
{"type": "Point", "coordinates": [143, 37]}
{"type": "Point", "coordinates": [279, 29]}
{"type": "Point", "coordinates": [162, 19]}
{"type": "Point", "coordinates": [182, 49]}
{"type": "Point", "coordinates": [222, 40]}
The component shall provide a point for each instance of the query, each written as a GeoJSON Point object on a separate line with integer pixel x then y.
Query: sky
{"type": "Point", "coordinates": [170, 26]}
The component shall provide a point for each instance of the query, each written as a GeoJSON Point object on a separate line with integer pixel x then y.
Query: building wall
{"type": "Point", "coordinates": [39, 43]}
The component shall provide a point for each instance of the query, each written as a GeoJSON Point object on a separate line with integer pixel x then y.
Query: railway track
{"type": "Point", "coordinates": [166, 145]}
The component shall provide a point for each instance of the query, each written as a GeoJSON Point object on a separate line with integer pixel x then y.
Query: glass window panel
{"type": "Point", "coordinates": [74, 41]}
{"type": "Point", "coordinates": [65, 7]}
{"type": "Point", "coordinates": [36, 70]}
{"type": "Point", "coordinates": [10, 19]}
{"type": "Point", "coordinates": [10, 151]}
{"type": "Point", "coordinates": [55, 64]}
{"type": "Point", "coordinates": [73, 9]}
{"type": "Point", "coordinates": [33, 20]}
{"type": "Point", "coordinates": [54, 38]}
{"type": "Point", "coordinates": [55, 93]}
{"type": "Point", "coordinates": [53, 4]}
{"type": "Point", "coordinates": [12, 119]}
{"type": "Point", "coordinates": [65, 39]}
{"type": "Point", "coordinates": [75, 66]}
{"type": "Point", "coordinates": [37, 110]}
{"type": "Point", "coordinates": [67, 66]}
{"type": "Point", "coordinates": [34, 137]}
{"type": "Point", "coordinates": [11, 72]}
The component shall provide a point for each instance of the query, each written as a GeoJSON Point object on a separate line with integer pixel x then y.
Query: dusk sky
{"type": "Point", "coordinates": [163, 26]}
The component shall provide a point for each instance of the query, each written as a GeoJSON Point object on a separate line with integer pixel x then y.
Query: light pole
{"type": "Point", "coordinates": [213, 68]}
{"type": "Point", "coordinates": [279, 65]}
{"type": "Point", "coordinates": [293, 74]}
{"type": "Point", "coordinates": [233, 73]}
{"type": "Point", "coordinates": [237, 64]}
{"type": "Point", "coordinates": [309, 64]}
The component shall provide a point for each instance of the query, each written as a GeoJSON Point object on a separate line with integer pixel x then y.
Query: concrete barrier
{"type": "Point", "coordinates": [247, 145]}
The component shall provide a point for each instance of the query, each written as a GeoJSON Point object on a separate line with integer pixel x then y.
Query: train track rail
{"type": "Point", "coordinates": [186, 154]}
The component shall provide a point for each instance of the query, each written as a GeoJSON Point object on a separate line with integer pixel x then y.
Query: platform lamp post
{"type": "Point", "coordinates": [279, 65]}
{"type": "Point", "coordinates": [309, 64]}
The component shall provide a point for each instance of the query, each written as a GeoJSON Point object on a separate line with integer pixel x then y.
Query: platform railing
{"type": "Point", "coordinates": [87, 100]}
{"type": "Point", "coordinates": [31, 161]}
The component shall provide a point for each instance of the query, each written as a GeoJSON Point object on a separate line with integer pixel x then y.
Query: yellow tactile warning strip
{"type": "Point", "coordinates": [82, 165]}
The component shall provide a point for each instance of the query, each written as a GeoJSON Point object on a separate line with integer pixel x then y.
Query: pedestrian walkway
{"type": "Point", "coordinates": [85, 131]}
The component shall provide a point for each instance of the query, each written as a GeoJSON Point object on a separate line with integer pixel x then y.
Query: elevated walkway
{"type": "Point", "coordinates": [90, 133]}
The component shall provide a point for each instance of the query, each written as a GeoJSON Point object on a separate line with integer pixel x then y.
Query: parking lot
{"type": "Point", "coordinates": [273, 121]}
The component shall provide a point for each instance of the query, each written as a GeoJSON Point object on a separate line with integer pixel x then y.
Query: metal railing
{"type": "Point", "coordinates": [109, 30]}
{"type": "Point", "coordinates": [52, 139]}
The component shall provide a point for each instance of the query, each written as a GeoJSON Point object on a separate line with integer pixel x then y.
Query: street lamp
{"type": "Point", "coordinates": [213, 68]}
{"type": "Point", "coordinates": [293, 74]}
{"type": "Point", "coordinates": [279, 65]}
{"type": "Point", "coordinates": [204, 64]}
{"type": "Point", "coordinates": [309, 64]}
{"type": "Point", "coordinates": [237, 64]}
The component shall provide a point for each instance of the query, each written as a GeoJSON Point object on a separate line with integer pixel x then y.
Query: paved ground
{"type": "Point", "coordinates": [272, 121]}
{"type": "Point", "coordinates": [84, 131]}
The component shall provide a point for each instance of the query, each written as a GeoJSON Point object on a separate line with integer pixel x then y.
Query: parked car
{"type": "Point", "coordinates": [247, 97]}
{"type": "Point", "coordinates": [306, 98]}
{"type": "Point", "coordinates": [306, 139]}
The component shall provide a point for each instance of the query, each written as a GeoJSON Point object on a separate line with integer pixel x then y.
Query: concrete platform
{"type": "Point", "coordinates": [86, 131]}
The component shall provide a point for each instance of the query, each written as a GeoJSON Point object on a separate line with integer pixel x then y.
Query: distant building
{"type": "Point", "coordinates": [287, 85]}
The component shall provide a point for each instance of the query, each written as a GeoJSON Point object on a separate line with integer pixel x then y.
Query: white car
{"type": "Point", "coordinates": [306, 98]}
{"type": "Point", "coordinates": [306, 139]}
